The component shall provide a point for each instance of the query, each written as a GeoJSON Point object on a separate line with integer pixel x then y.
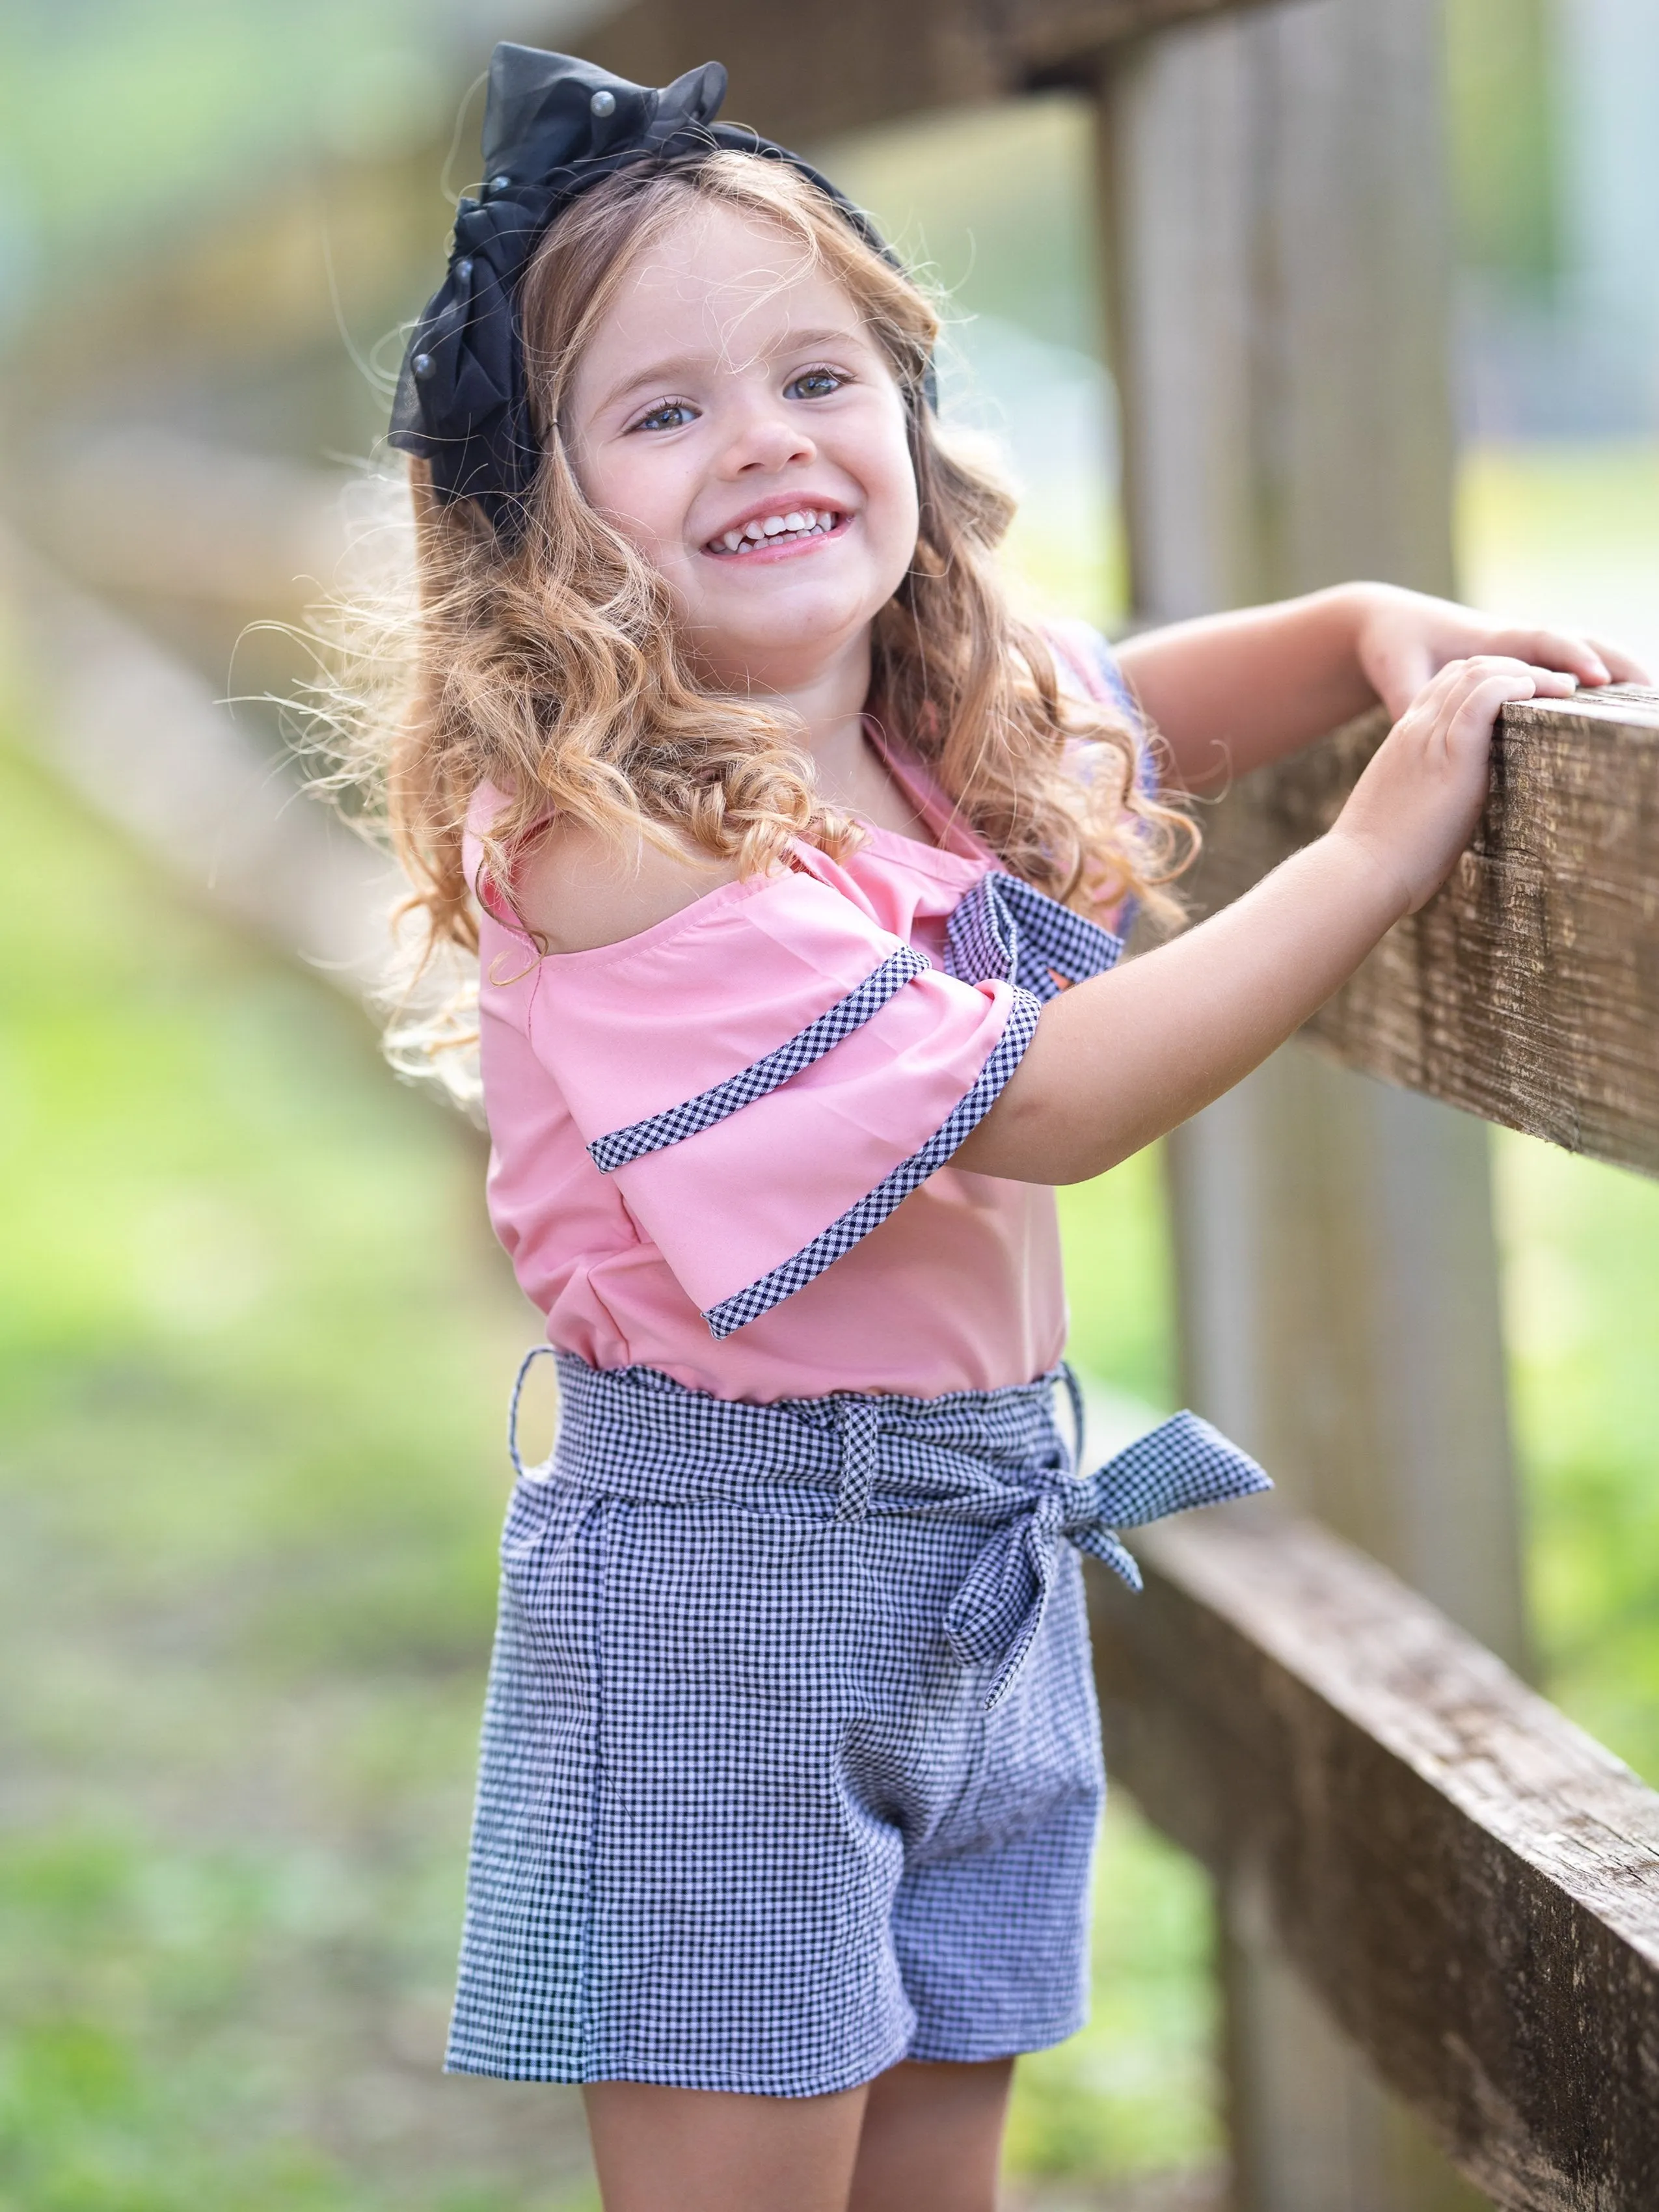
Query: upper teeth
{"type": "Point", "coordinates": [799, 521]}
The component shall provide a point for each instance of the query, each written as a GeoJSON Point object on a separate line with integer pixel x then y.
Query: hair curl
{"type": "Point", "coordinates": [552, 667]}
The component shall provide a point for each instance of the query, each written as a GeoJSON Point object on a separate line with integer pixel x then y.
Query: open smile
{"type": "Point", "coordinates": [793, 527]}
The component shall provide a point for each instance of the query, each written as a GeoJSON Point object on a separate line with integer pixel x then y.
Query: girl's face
{"type": "Point", "coordinates": [733, 418]}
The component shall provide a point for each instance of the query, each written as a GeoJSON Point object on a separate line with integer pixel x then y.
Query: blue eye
{"type": "Point", "coordinates": [815, 384]}
{"type": "Point", "coordinates": [671, 415]}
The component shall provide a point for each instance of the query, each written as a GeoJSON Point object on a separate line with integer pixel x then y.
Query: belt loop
{"type": "Point", "coordinates": [1075, 1392]}
{"type": "Point", "coordinates": [535, 1352]}
{"type": "Point", "coordinates": [860, 1427]}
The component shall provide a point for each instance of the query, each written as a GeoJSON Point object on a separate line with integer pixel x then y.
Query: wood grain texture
{"type": "Point", "coordinates": [1528, 991]}
{"type": "Point", "coordinates": [815, 72]}
{"type": "Point", "coordinates": [1469, 1882]}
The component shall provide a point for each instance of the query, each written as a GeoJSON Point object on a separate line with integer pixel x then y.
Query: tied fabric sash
{"type": "Point", "coordinates": [991, 1458]}
{"type": "Point", "coordinates": [996, 1615]}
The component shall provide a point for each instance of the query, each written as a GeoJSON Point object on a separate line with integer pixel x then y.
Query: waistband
{"type": "Point", "coordinates": [993, 1458]}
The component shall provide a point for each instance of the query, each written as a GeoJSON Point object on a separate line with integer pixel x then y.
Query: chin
{"type": "Point", "coordinates": [790, 624]}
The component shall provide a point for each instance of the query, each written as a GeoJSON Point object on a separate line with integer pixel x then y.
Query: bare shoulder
{"type": "Point", "coordinates": [577, 891]}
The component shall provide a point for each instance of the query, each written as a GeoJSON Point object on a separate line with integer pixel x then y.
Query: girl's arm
{"type": "Point", "coordinates": [1124, 1058]}
{"type": "Point", "coordinates": [1230, 692]}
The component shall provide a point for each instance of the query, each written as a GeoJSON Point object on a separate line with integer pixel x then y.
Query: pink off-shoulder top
{"type": "Point", "coordinates": [721, 1148]}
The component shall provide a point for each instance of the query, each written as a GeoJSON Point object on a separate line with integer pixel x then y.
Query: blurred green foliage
{"type": "Point", "coordinates": [1119, 1280]}
{"type": "Point", "coordinates": [120, 115]}
{"type": "Point", "coordinates": [987, 205]}
{"type": "Point", "coordinates": [1581, 1246]}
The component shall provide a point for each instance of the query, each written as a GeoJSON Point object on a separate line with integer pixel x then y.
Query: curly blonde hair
{"type": "Point", "coordinates": [550, 665]}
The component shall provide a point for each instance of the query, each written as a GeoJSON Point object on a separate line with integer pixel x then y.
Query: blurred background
{"type": "Point", "coordinates": [254, 1334]}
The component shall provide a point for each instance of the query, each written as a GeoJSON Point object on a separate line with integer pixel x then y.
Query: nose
{"type": "Point", "coordinates": [767, 436]}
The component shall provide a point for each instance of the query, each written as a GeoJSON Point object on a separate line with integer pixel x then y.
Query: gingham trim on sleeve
{"type": "Point", "coordinates": [873, 1208]}
{"type": "Point", "coordinates": [1004, 931]}
{"type": "Point", "coordinates": [673, 1126]}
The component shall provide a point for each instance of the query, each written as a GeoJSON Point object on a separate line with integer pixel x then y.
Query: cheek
{"type": "Point", "coordinates": [634, 491]}
{"type": "Point", "coordinates": [892, 487]}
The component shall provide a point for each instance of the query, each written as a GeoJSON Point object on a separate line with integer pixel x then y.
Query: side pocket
{"type": "Point", "coordinates": [542, 1552]}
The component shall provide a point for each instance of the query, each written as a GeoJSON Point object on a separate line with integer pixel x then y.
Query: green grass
{"type": "Point", "coordinates": [1582, 1311]}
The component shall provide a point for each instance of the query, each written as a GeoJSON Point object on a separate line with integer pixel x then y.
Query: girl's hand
{"type": "Point", "coordinates": [1403, 639]}
{"type": "Point", "coordinates": [1416, 806]}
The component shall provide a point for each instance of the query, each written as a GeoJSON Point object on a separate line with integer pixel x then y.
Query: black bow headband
{"type": "Point", "coordinates": [553, 126]}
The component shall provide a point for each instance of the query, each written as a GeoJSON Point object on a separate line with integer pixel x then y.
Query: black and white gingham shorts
{"type": "Point", "coordinates": [791, 1765]}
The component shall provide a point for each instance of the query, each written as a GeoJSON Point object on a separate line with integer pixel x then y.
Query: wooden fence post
{"type": "Point", "coordinates": [1275, 246]}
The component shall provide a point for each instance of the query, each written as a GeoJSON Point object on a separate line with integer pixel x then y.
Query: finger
{"type": "Point", "coordinates": [1494, 667]}
{"type": "Point", "coordinates": [1555, 650]}
{"type": "Point", "coordinates": [1442, 697]}
{"type": "Point", "coordinates": [1622, 667]}
{"type": "Point", "coordinates": [1477, 711]}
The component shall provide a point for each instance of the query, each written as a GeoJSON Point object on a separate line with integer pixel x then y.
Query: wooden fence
{"type": "Point", "coordinates": [1528, 992]}
{"type": "Point", "coordinates": [1469, 1883]}
{"type": "Point", "coordinates": [1428, 1878]}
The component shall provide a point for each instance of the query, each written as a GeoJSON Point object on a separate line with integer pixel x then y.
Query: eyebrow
{"type": "Point", "coordinates": [666, 372]}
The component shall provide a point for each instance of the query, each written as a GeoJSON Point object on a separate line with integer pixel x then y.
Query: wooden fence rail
{"type": "Point", "coordinates": [867, 61]}
{"type": "Point", "coordinates": [1468, 1882]}
{"type": "Point", "coordinates": [1528, 991]}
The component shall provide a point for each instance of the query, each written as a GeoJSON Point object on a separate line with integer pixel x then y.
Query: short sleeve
{"type": "Point", "coordinates": [1090, 660]}
{"type": "Point", "coordinates": [767, 1077]}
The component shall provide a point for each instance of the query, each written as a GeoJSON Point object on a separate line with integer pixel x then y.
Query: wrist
{"type": "Point", "coordinates": [1368, 868]}
{"type": "Point", "coordinates": [1350, 629]}
{"type": "Point", "coordinates": [1351, 607]}
{"type": "Point", "coordinates": [1359, 608]}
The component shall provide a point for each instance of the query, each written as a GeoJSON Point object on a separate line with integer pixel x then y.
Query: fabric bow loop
{"type": "Point", "coordinates": [998, 1610]}
{"type": "Point", "coordinates": [1005, 931]}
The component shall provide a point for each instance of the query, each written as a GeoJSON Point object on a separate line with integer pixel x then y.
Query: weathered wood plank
{"type": "Point", "coordinates": [865, 62]}
{"type": "Point", "coordinates": [1469, 1883]}
{"type": "Point", "coordinates": [1528, 991]}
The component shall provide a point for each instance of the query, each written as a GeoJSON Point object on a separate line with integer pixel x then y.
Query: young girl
{"type": "Point", "coordinates": [792, 860]}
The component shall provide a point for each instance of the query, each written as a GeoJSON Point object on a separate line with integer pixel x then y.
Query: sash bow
{"type": "Point", "coordinates": [996, 1612]}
